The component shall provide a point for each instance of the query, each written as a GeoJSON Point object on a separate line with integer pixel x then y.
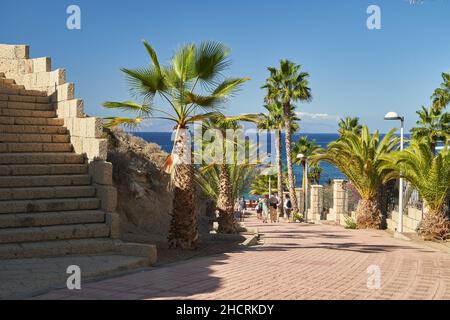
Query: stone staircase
{"type": "Point", "coordinates": [54, 201]}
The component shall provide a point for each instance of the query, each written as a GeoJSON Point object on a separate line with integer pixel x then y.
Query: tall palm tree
{"type": "Point", "coordinates": [430, 174]}
{"type": "Point", "coordinates": [288, 84]}
{"type": "Point", "coordinates": [225, 198]}
{"type": "Point", "coordinates": [441, 96]}
{"type": "Point", "coordinates": [350, 124]}
{"type": "Point", "coordinates": [360, 158]}
{"type": "Point", "coordinates": [192, 88]}
{"type": "Point", "coordinates": [433, 125]}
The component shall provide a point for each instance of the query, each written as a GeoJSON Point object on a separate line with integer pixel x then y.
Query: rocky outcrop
{"type": "Point", "coordinates": [144, 201]}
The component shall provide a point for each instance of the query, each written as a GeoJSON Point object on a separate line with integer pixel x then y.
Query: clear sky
{"type": "Point", "coordinates": [354, 71]}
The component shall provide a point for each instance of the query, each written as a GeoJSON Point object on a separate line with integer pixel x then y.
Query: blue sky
{"type": "Point", "coordinates": [354, 71]}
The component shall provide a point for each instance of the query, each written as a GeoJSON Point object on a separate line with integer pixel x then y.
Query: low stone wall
{"type": "Point", "coordinates": [35, 74]}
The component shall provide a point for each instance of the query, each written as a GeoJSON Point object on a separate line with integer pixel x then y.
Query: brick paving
{"type": "Point", "coordinates": [294, 261]}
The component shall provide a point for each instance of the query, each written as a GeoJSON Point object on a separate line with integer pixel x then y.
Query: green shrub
{"type": "Point", "coordinates": [350, 223]}
{"type": "Point", "coordinates": [298, 217]}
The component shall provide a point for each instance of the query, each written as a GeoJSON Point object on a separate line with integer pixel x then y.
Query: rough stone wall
{"type": "Point", "coordinates": [36, 74]}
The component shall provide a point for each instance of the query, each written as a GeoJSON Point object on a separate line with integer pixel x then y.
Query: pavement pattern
{"type": "Point", "coordinates": [293, 261]}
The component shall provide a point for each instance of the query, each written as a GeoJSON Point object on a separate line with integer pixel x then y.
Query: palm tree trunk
{"type": "Point", "coordinates": [279, 173]}
{"type": "Point", "coordinates": [368, 214]}
{"type": "Point", "coordinates": [225, 202]}
{"type": "Point", "coordinates": [183, 231]}
{"type": "Point", "coordinates": [435, 226]}
{"type": "Point", "coordinates": [291, 178]}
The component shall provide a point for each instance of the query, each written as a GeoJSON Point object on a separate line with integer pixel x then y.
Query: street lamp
{"type": "Point", "coordinates": [394, 116]}
{"type": "Point", "coordinates": [301, 157]}
{"type": "Point", "coordinates": [268, 170]}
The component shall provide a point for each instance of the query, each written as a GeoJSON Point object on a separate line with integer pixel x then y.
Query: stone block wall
{"type": "Point", "coordinates": [36, 74]}
{"type": "Point", "coordinates": [86, 133]}
{"type": "Point", "coordinates": [411, 219]}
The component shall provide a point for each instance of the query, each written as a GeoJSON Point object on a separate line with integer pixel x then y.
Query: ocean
{"type": "Point", "coordinates": [330, 172]}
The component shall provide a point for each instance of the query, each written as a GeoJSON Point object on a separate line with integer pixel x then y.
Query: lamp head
{"type": "Point", "coordinates": [300, 156]}
{"type": "Point", "coordinates": [392, 116]}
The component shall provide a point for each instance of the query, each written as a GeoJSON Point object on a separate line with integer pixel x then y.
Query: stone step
{"type": "Point", "coordinates": [20, 90]}
{"type": "Point", "coordinates": [33, 137]}
{"type": "Point", "coordinates": [50, 233]}
{"type": "Point", "coordinates": [47, 192]}
{"type": "Point", "coordinates": [24, 220]}
{"type": "Point", "coordinates": [35, 147]}
{"type": "Point", "coordinates": [42, 158]}
{"type": "Point", "coordinates": [32, 129]}
{"type": "Point", "coordinates": [25, 99]}
{"type": "Point", "coordinates": [43, 169]}
{"type": "Point", "coordinates": [44, 181]}
{"type": "Point", "coordinates": [25, 103]}
{"type": "Point", "coordinates": [27, 113]}
{"type": "Point", "coordinates": [4, 81]}
{"type": "Point", "coordinates": [48, 205]}
{"type": "Point", "coordinates": [31, 121]}
{"type": "Point", "coordinates": [57, 248]}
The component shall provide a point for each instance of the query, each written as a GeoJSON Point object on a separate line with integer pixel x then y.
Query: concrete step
{"type": "Point", "coordinates": [32, 129]}
{"type": "Point", "coordinates": [34, 137]}
{"type": "Point", "coordinates": [48, 205]}
{"type": "Point", "coordinates": [24, 220]}
{"type": "Point", "coordinates": [44, 181]}
{"type": "Point", "coordinates": [35, 147]}
{"type": "Point", "coordinates": [49, 233]}
{"type": "Point", "coordinates": [46, 192]}
{"type": "Point", "coordinates": [27, 113]}
{"type": "Point", "coordinates": [29, 103]}
{"type": "Point", "coordinates": [31, 121]}
{"type": "Point", "coordinates": [42, 158]}
{"type": "Point", "coordinates": [43, 169]}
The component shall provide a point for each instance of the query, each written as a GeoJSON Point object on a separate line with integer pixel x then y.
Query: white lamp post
{"type": "Point", "coordinates": [301, 156]}
{"type": "Point", "coordinates": [394, 116]}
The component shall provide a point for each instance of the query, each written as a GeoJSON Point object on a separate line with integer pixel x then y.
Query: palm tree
{"type": "Point", "coordinates": [441, 96]}
{"type": "Point", "coordinates": [315, 174]}
{"type": "Point", "coordinates": [225, 197]}
{"type": "Point", "coordinates": [350, 124]}
{"type": "Point", "coordinates": [433, 125]}
{"type": "Point", "coordinates": [307, 148]}
{"type": "Point", "coordinates": [430, 174]}
{"type": "Point", "coordinates": [192, 88]}
{"type": "Point", "coordinates": [288, 84]}
{"type": "Point", "coordinates": [260, 184]}
{"type": "Point", "coordinates": [360, 158]}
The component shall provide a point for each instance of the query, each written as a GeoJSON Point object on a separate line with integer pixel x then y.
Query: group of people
{"type": "Point", "coordinates": [267, 208]}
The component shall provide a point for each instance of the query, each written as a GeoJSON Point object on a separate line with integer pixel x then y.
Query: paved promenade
{"type": "Point", "coordinates": [293, 262]}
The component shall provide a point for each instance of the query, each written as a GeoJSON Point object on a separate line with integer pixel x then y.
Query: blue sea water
{"type": "Point", "coordinates": [330, 172]}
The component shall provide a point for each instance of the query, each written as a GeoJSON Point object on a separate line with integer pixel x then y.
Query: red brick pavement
{"type": "Point", "coordinates": [294, 261]}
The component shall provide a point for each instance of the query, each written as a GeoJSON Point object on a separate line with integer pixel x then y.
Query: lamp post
{"type": "Point", "coordinates": [394, 116]}
{"type": "Point", "coordinates": [301, 157]}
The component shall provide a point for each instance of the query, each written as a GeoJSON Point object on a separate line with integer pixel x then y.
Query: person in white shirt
{"type": "Point", "coordinates": [288, 207]}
